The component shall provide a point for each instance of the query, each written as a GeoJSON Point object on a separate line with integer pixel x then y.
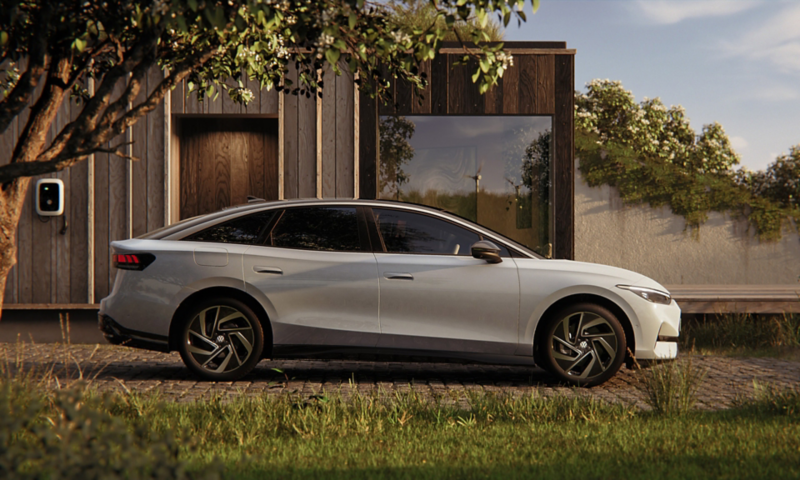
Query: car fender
{"type": "Point", "coordinates": [531, 321]}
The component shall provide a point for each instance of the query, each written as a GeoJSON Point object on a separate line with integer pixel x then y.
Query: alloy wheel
{"type": "Point", "coordinates": [220, 339]}
{"type": "Point", "coordinates": [584, 345]}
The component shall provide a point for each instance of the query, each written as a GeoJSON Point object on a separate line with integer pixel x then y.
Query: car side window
{"type": "Point", "coordinates": [408, 232]}
{"type": "Point", "coordinates": [244, 230]}
{"type": "Point", "coordinates": [317, 228]}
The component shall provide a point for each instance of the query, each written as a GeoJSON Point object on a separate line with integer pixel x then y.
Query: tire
{"type": "Point", "coordinates": [582, 345]}
{"type": "Point", "coordinates": [223, 353]}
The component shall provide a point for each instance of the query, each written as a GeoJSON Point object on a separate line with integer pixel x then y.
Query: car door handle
{"type": "Point", "coordinates": [274, 270]}
{"type": "Point", "coordinates": [398, 276]}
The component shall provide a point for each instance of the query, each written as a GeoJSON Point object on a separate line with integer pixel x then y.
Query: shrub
{"type": "Point", "coordinates": [71, 434]}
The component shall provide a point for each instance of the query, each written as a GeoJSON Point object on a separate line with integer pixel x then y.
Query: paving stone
{"type": "Point", "coordinates": [114, 368]}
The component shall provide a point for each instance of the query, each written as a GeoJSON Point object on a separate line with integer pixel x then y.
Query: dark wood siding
{"type": "Point", "coordinates": [225, 159]}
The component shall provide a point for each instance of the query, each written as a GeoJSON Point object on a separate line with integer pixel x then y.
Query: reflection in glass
{"type": "Point", "coordinates": [317, 228]}
{"type": "Point", "coordinates": [406, 232]}
{"type": "Point", "coordinates": [495, 171]}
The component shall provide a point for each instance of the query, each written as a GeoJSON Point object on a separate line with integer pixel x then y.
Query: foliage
{"type": "Point", "coordinates": [70, 434]}
{"type": "Point", "coordinates": [64, 44]}
{"type": "Point", "coordinates": [421, 14]}
{"type": "Point", "coordinates": [776, 400]}
{"type": "Point", "coordinates": [742, 331]}
{"type": "Point", "coordinates": [396, 151]}
{"type": "Point", "coordinates": [653, 156]}
{"type": "Point", "coordinates": [671, 388]}
{"type": "Point", "coordinates": [536, 166]}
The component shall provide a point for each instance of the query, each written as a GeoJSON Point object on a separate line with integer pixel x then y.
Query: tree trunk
{"type": "Point", "coordinates": [12, 198]}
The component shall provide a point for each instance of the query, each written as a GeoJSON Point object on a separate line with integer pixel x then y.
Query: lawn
{"type": "Point", "coordinates": [400, 436]}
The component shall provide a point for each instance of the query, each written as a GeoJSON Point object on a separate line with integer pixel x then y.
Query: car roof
{"type": "Point", "coordinates": [199, 222]}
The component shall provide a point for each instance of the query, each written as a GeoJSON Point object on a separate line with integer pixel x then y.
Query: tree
{"type": "Point", "coordinates": [396, 151]}
{"type": "Point", "coordinates": [536, 166]}
{"type": "Point", "coordinates": [780, 182]}
{"type": "Point", "coordinates": [51, 49]}
{"type": "Point", "coordinates": [651, 155]}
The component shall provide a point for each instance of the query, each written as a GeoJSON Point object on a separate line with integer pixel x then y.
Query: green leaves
{"type": "Point", "coordinates": [652, 155]}
{"type": "Point", "coordinates": [332, 55]}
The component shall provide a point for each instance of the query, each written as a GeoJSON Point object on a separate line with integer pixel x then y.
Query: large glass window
{"type": "Point", "coordinates": [494, 170]}
{"type": "Point", "coordinates": [317, 228]}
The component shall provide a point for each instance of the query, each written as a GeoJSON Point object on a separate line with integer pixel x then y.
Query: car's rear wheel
{"type": "Point", "coordinates": [583, 345]}
{"type": "Point", "coordinates": [221, 339]}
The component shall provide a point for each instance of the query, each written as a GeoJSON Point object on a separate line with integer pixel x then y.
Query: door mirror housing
{"type": "Point", "coordinates": [486, 250]}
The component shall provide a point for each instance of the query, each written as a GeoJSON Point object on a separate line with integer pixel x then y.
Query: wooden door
{"type": "Point", "coordinates": [223, 160]}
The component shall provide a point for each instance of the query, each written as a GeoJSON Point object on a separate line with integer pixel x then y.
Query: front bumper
{"type": "Point", "coordinates": [116, 334]}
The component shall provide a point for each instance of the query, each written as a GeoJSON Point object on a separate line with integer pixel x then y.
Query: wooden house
{"type": "Point", "coordinates": [200, 156]}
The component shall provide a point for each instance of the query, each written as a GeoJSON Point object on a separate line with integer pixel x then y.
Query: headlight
{"type": "Point", "coordinates": [655, 296]}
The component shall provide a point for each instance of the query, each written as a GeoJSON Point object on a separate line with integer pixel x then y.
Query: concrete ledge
{"type": "Point", "coordinates": [713, 299]}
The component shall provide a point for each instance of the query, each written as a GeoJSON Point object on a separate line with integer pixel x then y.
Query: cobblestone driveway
{"type": "Point", "coordinates": [117, 368]}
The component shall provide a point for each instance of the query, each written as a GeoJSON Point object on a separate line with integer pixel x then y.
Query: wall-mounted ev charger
{"type": "Point", "coordinates": [49, 197]}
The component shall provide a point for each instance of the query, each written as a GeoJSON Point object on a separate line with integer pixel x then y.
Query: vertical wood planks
{"type": "Point", "coordinates": [545, 84]}
{"type": "Point", "coordinates": [269, 101]}
{"type": "Point", "coordinates": [60, 279]}
{"type": "Point", "coordinates": [101, 212]}
{"type": "Point", "coordinates": [329, 121]}
{"type": "Point", "coordinates": [255, 153]}
{"type": "Point", "coordinates": [368, 147]}
{"type": "Point", "coordinates": [227, 104]}
{"type": "Point", "coordinates": [511, 89]}
{"type": "Point", "coordinates": [421, 100]}
{"type": "Point", "coordinates": [345, 148]}
{"type": "Point", "coordinates": [77, 208]}
{"type": "Point", "coordinates": [440, 79]}
{"type": "Point", "coordinates": [239, 158]}
{"type": "Point", "coordinates": [306, 146]}
{"type": "Point", "coordinates": [564, 167]}
{"type": "Point", "coordinates": [8, 140]}
{"type": "Point", "coordinates": [290, 139]}
{"type": "Point", "coordinates": [220, 155]}
{"type": "Point", "coordinates": [205, 161]}
{"type": "Point", "coordinates": [178, 99]}
{"type": "Point", "coordinates": [271, 147]}
{"type": "Point", "coordinates": [156, 155]}
{"type": "Point", "coordinates": [139, 169]}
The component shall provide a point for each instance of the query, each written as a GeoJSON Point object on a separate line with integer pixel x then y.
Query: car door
{"type": "Point", "coordinates": [434, 295]}
{"type": "Point", "coordinates": [319, 277]}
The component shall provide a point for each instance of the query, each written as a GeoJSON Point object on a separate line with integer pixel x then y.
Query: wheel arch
{"type": "Point", "coordinates": [229, 292]}
{"type": "Point", "coordinates": [604, 302]}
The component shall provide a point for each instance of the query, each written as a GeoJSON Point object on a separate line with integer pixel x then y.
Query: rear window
{"type": "Point", "coordinates": [244, 230]}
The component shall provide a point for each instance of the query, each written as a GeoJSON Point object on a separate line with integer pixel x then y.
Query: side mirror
{"type": "Point", "coordinates": [486, 250]}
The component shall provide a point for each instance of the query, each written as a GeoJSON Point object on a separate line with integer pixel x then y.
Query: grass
{"type": "Point", "coordinates": [406, 435]}
{"type": "Point", "coordinates": [671, 388]}
{"type": "Point", "coordinates": [403, 435]}
{"type": "Point", "coordinates": [744, 335]}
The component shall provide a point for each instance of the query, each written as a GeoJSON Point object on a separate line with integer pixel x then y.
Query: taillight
{"type": "Point", "coordinates": [133, 261]}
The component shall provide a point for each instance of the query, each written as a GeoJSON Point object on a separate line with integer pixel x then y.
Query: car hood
{"type": "Point", "coordinates": [615, 274]}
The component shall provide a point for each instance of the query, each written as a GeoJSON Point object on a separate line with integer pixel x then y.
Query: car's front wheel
{"type": "Point", "coordinates": [583, 344]}
{"type": "Point", "coordinates": [221, 339]}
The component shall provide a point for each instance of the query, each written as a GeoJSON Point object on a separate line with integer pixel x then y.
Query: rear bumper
{"type": "Point", "coordinates": [118, 335]}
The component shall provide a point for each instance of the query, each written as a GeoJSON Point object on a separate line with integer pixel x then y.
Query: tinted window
{"type": "Point", "coordinates": [318, 228]}
{"type": "Point", "coordinates": [406, 232]}
{"type": "Point", "coordinates": [244, 230]}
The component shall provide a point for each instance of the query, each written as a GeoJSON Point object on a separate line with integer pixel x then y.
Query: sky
{"type": "Point", "coordinates": [736, 62]}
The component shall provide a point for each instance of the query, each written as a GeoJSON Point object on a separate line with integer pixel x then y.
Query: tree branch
{"type": "Point", "coordinates": [86, 144]}
{"type": "Point", "coordinates": [20, 96]}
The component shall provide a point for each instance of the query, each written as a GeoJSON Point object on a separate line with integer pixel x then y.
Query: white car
{"type": "Point", "coordinates": [288, 278]}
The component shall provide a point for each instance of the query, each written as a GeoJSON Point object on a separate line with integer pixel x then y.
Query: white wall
{"type": "Point", "coordinates": [655, 243]}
